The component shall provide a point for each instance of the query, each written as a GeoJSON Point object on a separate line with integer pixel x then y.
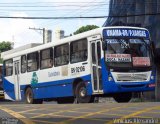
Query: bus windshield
{"type": "Point", "coordinates": [127, 53]}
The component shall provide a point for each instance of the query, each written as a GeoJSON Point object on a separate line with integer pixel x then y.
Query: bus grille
{"type": "Point", "coordinates": [131, 77]}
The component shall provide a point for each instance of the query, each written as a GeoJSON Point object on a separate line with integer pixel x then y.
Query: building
{"type": "Point", "coordinates": [141, 13]}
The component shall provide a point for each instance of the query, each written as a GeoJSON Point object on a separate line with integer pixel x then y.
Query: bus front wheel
{"type": "Point", "coordinates": [122, 97]}
{"type": "Point", "coordinates": [81, 94]}
{"type": "Point", "coordinates": [30, 99]}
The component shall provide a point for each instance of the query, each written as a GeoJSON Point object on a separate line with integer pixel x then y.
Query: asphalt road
{"type": "Point", "coordinates": [97, 113]}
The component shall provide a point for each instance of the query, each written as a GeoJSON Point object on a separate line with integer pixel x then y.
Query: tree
{"type": "Point", "coordinates": [1, 61]}
{"type": "Point", "coordinates": [85, 28]}
{"type": "Point", "coordinates": [4, 46]}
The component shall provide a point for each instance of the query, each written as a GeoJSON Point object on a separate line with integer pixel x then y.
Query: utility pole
{"type": "Point", "coordinates": [47, 34]}
{"type": "Point", "coordinates": [42, 30]}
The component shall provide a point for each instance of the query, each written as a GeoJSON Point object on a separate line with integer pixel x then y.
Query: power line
{"type": "Point", "coordinates": [77, 17]}
{"type": "Point", "coordinates": [54, 8]}
{"type": "Point", "coordinates": [69, 9]}
{"type": "Point", "coordinates": [67, 3]}
{"type": "Point", "coordinates": [76, 11]}
{"type": "Point", "coordinates": [62, 2]}
{"type": "Point", "coordinates": [71, 5]}
{"type": "Point", "coordinates": [50, 2]}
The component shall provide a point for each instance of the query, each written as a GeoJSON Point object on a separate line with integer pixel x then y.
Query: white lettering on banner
{"type": "Point", "coordinates": [119, 32]}
{"type": "Point", "coordinates": [118, 57]}
{"type": "Point", "coordinates": [141, 61]}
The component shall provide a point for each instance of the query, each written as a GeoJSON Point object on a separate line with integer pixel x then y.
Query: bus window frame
{"type": "Point", "coordinates": [37, 58]}
{"type": "Point", "coordinates": [81, 40]}
{"type": "Point", "coordinates": [55, 47]}
{"type": "Point", "coordinates": [24, 64]}
{"type": "Point", "coordinates": [9, 67]}
{"type": "Point", "coordinates": [51, 58]}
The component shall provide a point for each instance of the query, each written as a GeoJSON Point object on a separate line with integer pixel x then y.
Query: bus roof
{"type": "Point", "coordinates": [20, 48]}
{"type": "Point", "coordinates": [29, 48]}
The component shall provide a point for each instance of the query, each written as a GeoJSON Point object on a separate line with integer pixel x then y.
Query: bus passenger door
{"type": "Point", "coordinates": [16, 80]}
{"type": "Point", "coordinates": [96, 66]}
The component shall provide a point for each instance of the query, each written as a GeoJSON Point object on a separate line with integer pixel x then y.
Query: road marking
{"type": "Point", "coordinates": [48, 122]}
{"type": "Point", "coordinates": [26, 111]}
{"type": "Point", "coordinates": [61, 111]}
{"type": "Point", "coordinates": [65, 116]}
{"type": "Point", "coordinates": [141, 111]}
{"type": "Point", "coordinates": [78, 112]}
{"type": "Point", "coordinates": [142, 117]}
{"type": "Point", "coordinates": [136, 113]}
{"type": "Point", "coordinates": [91, 114]}
{"type": "Point", "coordinates": [96, 119]}
{"type": "Point", "coordinates": [113, 114]}
{"type": "Point", "coordinates": [34, 109]}
{"type": "Point", "coordinates": [16, 115]}
{"type": "Point", "coordinates": [153, 112]}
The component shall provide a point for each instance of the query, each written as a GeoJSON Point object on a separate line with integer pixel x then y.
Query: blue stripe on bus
{"type": "Point", "coordinates": [51, 89]}
{"type": "Point", "coordinates": [9, 88]}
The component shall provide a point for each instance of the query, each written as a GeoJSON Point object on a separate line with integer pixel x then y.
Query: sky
{"type": "Point", "coordinates": [17, 30]}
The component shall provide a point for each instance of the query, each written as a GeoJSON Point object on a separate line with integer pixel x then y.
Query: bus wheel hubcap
{"type": "Point", "coordinates": [82, 92]}
{"type": "Point", "coordinates": [29, 97]}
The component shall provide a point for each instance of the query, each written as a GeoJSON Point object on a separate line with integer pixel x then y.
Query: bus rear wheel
{"type": "Point", "coordinates": [122, 97]}
{"type": "Point", "coordinates": [81, 94]}
{"type": "Point", "coordinates": [29, 97]}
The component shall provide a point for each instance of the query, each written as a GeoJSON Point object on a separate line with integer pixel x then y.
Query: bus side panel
{"type": "Point", "coordinates": [62, 90]}
{"type": "Point", "coordinates": [107, 86]}
{"type": "Point", "coordinates": [8, 85]}
{"type": "Point", "coordinates": [89, 88]}
{"type": "Point", "coordinates": [53, 89]}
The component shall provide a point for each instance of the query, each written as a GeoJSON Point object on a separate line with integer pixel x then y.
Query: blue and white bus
{"type": "Point", "coordinates": [114, 61]}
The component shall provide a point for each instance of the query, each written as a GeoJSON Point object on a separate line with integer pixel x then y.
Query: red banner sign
{"type": "Point", "coordinates": [141, 61]}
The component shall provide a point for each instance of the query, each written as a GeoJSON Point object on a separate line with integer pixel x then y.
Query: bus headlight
{"type": "Point", "coordinates": [110, 78]}
{"type": "Point", "coordinates": [152, 77]}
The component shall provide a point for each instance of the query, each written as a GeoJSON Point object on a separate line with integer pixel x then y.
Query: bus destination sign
{"type": "Point", "coordinates": [126, 33]}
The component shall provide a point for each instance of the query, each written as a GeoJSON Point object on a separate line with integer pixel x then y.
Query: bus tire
{"type": "Point", "coordinates": [81, 94]}
{"type": "Point", "coordinates": [65, 100]}
{"type": "Point", "coordinates": [122, 97]}
{"type": "Point", "coordinates": [29, 97]}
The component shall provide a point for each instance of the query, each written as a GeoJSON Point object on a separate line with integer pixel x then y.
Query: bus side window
{"type": "Point", "coordinates": [78, 50]}
{"type": "Point", "coordinates": [46, 58]}
{"type": "Point", "coordinates": [8, 67]}
{"type": "Point", "coordinates": [23, 64]}
{"type": "Point", "coordinates": [32, 61]}
{"type": "Point", "coordinates": [61, 55]}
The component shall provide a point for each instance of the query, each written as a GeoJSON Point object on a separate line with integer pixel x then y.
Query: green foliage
{"type": "Point", "coordinates": [4, 46]}
{"type": "Point", "coordinates": [1, 61]}
{"type": "Point", "coordinates": [85, 28]}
